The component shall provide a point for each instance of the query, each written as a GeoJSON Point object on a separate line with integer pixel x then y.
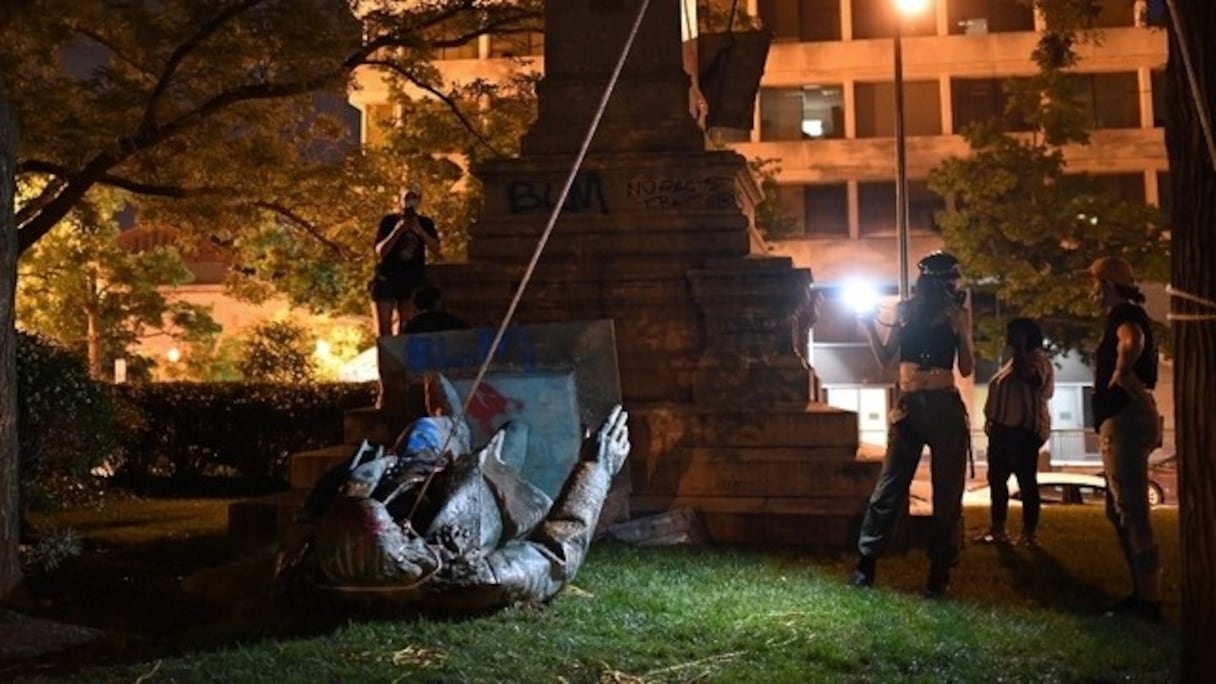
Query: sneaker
{"type": "Point", "coordinates": [1029, 540]}
{"type": "Point", "coordinates": [1135, 607]}
{"type": "Point", "coordinates": [992, 537]}
{"type": "Point", "coordinates": [938, 585]}
{"type": "Point", "coordinates": [863, 574]}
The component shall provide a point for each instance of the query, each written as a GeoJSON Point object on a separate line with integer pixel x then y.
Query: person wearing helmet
{"type": "Point", "coordinates": [931, 335]}
{"type": "Point", "coordinates": [401, 243]}
{"type": "Point", "coordinates": [1128, 426]}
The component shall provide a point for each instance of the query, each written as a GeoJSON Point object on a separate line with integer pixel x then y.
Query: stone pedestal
{"type": "Point", "coordinates": [654, 235]}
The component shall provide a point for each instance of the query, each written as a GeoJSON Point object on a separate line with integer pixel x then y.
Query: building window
{"type": "Point", "coordinates": [1115, 13]}
{"type": "Point", "coordinates": [876, 208]}
{"type": "Point", "coordinates": [876, 19]}
{"type": "Point", "coordinates": [978, 100]}
{"type": "Point", "coordinates": [801, 21]}
{"type": "Point", "coordinates": [466, 50]}
{"type": "Point", "coordinates": [807, 113]}
{"type": "Point", "coordinates": [1109, 100]}
{"type": "Point", "coordinates": [1128, 187]}
{"type": "Point", "coordinates": [378, 120]}
{"type": "Point", "coordinates": [977, 17]}
{"type": "Point", "coordinates": [876, 109]}
{"type": "Point", "coordinates": [528, 44]}
{"type": "Point", "coordinates": [826, 210]}
{"type": "Point", "coordinates": [1160, 112]}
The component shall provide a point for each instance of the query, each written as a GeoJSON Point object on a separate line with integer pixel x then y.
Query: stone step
{"type": "Point", "coordinates": [821, 522]}
{"type": "Point", "coordinates": [306, 467]}
{"type": "Point", "coordinates": [373, 424]}
{"type": "Point", "coordinates": [756, 471]}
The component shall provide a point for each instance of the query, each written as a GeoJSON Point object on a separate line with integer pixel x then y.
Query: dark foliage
{"type": "Point", "coordinates": [65, 423]}
{"type": "Point", "coordinates": [183, 436]}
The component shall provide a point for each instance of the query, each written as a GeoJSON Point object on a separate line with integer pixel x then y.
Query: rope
{"type": "Point", "coordinates": [561, 201]}
{"type": "Point", "coordinates": [544, 238]}
{"type": "Point", "coordinates": [1194, 299]}
{"type": "Point", "coordinates": [1201, 109]}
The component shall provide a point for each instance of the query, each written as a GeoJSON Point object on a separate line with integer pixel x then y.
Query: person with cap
{"type": "Point", "coordinates": [401, 243]}
{"type": "Point", "coordinates": [932, 333]}
{"type": "Point", "coordinates": [1018, 423]}
{"type": "Point", "coordinates": [1128, 425]}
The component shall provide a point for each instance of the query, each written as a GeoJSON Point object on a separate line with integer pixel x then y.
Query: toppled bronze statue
{"type": "Point", "coordinates": [433, 524]}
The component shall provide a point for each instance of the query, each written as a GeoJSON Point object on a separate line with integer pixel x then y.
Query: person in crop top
{"type": "Point", "coordinates": [931, 336]}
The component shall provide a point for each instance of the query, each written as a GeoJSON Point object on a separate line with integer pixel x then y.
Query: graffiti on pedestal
{"type": "Point", "coordinates": [586, 195]}
{"type": "Point", "coordinates": [697, 192]}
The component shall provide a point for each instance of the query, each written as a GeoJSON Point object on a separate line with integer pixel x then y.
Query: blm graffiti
{"type": "Point", "coordinates": [586, 195]}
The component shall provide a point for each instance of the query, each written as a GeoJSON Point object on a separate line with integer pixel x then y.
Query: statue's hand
{"type": "Point", "coordinates": [612, 440]}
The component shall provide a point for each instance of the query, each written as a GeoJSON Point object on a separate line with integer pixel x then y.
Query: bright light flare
{"type": "Point", "coordinates": [174, 354]}
{"type": "Point", "coordinates": [910, 7]}
{"type": "Point", "coordinates": [324, 349]}
{"type": "Point", "coordinates": [861, 296]}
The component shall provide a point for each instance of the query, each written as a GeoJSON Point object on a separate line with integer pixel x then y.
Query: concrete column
{"type": "Point", "coordinates": [850, 109]}
{"type": "Point", "coordinates": [942, 17]}
{"type": "Point", "coordinates": [947, 97]}
{"type": "Point", "coordinates": [1152, 191]}
{"type": "Point", "coordinates": [846, 20]}
{"type": "Point", "coordinates": [1040, 21]}
{"type": "Point", "coordinates": [1144, 85]}
{"type": "Point", "coordinates": [854, 209]}
{"type": "Point", "coordinates": [1140, 13]}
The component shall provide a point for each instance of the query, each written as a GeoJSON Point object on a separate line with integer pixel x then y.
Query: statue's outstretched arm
{"type": "Point", "coordinates": [539, 566]}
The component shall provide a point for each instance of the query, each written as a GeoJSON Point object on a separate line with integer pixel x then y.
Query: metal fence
{"type": "Point", "coordinates": [1067, 447]}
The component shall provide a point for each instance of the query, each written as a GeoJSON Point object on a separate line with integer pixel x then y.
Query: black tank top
{"type": "Point", "coordinates": [928, 344]}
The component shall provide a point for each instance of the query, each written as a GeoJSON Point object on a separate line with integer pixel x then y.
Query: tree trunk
{"type": "Point", "coordinates": [93, 342]}
{"type": "Point", "coordinates": [1193, 226]}
{"type": "Point", "coordinates": [10, 525]}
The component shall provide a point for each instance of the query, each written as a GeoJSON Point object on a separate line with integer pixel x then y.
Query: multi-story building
{"type": "Point", "coordinates": [825, 112]}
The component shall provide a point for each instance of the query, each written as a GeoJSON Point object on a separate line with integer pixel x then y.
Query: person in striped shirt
{"type": "Point", "coordinates": [1018, 423]}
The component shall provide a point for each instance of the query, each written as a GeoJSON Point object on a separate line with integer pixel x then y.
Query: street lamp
{"type": "Point", "coordinates": [903, 8]}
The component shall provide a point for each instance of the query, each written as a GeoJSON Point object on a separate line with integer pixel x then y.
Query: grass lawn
{"type": "Point", "coordinates": [633, 615]}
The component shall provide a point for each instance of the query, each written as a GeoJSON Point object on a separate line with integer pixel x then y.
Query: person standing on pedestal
{"type": "Point", "coordinates": [932, 331]}
{"type": "Point", "coordinates": [401, 243]}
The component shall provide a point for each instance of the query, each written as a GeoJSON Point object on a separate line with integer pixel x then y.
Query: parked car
{"type": "Point", "coordinates": [1162, 480]}
{"type": "Point", "coordinates": [1063, 488]}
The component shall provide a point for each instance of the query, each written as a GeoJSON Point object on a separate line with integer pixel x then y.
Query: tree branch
{"type": "Point", "coordinates": [450, 103]}
{"type": "Point", "coordinates": [305, 225]}
{"type": "Point", "coordinates": [38, 223]}
{"type": "Point", "coordinates": [182, 51]}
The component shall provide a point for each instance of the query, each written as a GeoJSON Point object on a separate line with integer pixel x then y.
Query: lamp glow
{"type": "Point", "coordinates": [860, 296]}
{"type": "Point", "coordinates": [174, 355]}
{"type": "Point", "coordinates": [909, 7]}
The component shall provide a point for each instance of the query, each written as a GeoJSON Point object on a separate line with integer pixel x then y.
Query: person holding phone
{"type": "Point", "coordinates": [401, 243]}
{"type": "Point", "coordinates": [932, 333]}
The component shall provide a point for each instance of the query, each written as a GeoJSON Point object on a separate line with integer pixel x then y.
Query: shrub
{"type": "Point", "coordinates": [64, 423]}
{"type": "Point", "coordinates": [193, 434]}
{"type": "Point", "coordinates": [53, 548]}
{"type": "Point", "coordinates": [277, 351]}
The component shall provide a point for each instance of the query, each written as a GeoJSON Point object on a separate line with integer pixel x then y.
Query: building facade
{"type": "Point", "coordinates": [825, 113]}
